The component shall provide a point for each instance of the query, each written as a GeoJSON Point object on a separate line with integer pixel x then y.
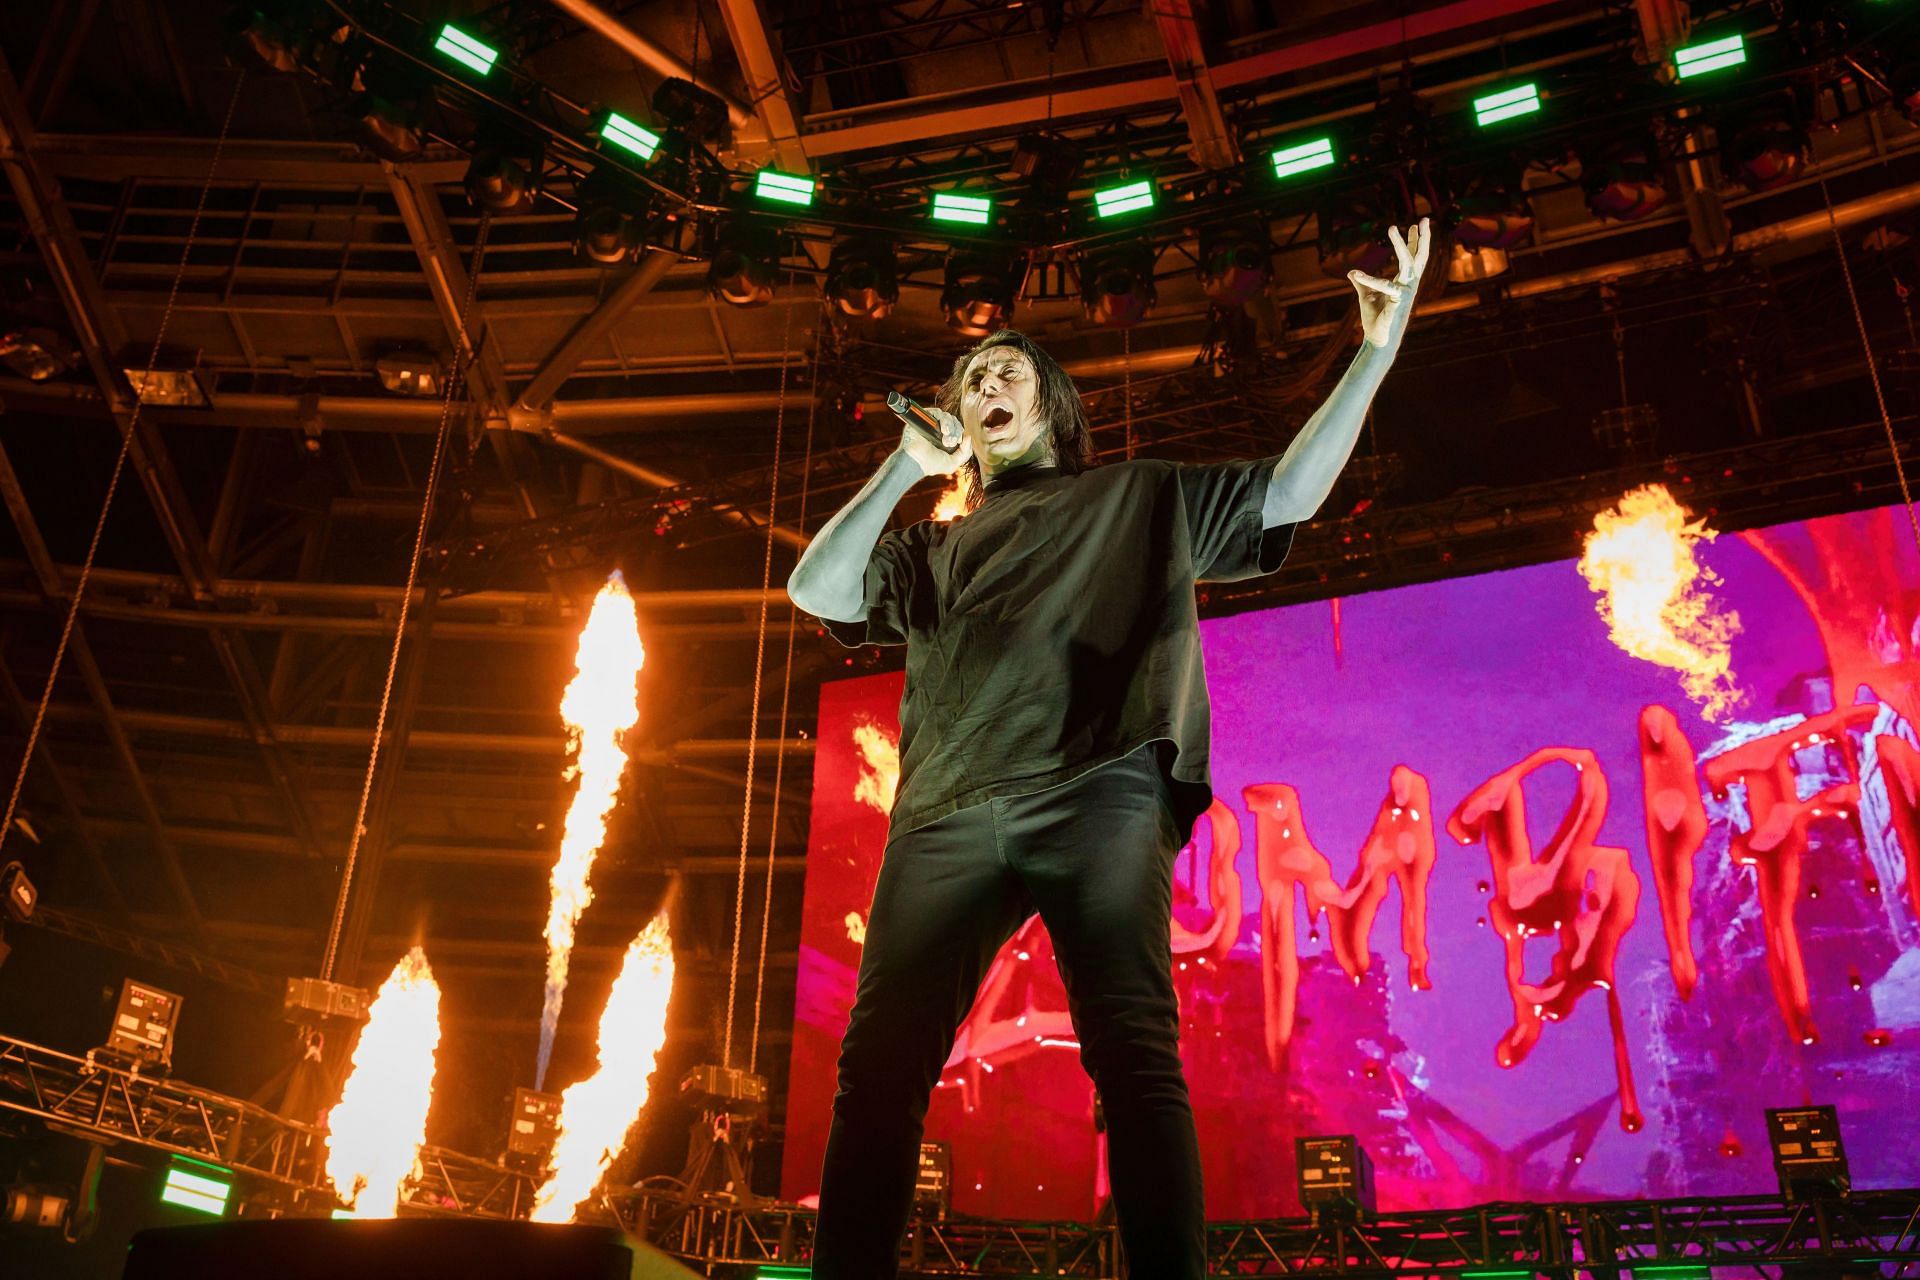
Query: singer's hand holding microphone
{"type": "Point", "coordinates": [933, 438]}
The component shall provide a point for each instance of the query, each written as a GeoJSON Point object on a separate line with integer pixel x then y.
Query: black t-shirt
{"type": "Point", "coordinates": [1054, 629]}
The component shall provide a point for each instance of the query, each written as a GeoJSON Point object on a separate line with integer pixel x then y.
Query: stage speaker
{"type": "Point", "coordinates": [394, 1249]}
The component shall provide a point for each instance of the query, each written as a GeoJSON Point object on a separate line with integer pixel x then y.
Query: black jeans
{"type": "Point", "coordinates": [1094, 857]}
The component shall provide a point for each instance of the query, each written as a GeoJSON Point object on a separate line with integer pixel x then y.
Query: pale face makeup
{"type": "Point", "coordinates": [1000, 410]}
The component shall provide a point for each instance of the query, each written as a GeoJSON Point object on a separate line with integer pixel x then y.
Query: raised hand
{"type": "Point", "coordinates": [1385, 305]}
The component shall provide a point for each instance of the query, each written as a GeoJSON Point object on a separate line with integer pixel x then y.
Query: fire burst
{"type": "Point", "coordinates": [879, 767]}
{"type": "Point", "coordinates": [1640, 560]}
{"type": "Point", "coordinates": [953, 503]}
{"type": "Point", "coordinates": [375, 1133]}
{"type": "Point", "coordinates": [600, 705]}
{"type": "Point", "coordinates": [596, 1113]}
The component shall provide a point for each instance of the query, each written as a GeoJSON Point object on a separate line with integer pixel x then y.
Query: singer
{"type": "Point", "coordinates": [1053, 754]}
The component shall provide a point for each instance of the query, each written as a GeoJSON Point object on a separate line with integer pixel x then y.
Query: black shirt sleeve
{"type": "Point", "coordinates": [894, 571]}
{"type": "Point", "coordinates": [1223, 503]}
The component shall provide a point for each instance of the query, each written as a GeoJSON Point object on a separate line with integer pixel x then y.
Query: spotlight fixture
{"type": "Point", "coordinates": [37, 354]}
{"type": "Point", "coordinates": [1490, 210]}
{"type": "Point", "coordinates": [1765, 146]}
{"type": "Point", "coordinates": [498, 183]}
{"type": "Point", "coordinates": [265, 39]}
{"type": "Point", "coordinates": [1353, 237]}
{"type": "Point", "coordinates": [1698, 59]}
{"type": "Point", "coordinates": [1116, 285]}
{"type": "Point", "coordinates": [686, 108]}
{"type": "Point", "coordinates": [861, 279]}
{"type": "Point", "coordinates": [18, 897]}
{"type": "Point", "coordinates": [745, 262]}
{"type": "Point", "coordinates": [1623, 179]}
{"type": "Point", "coordinates": [174, 388]}
{"type": "Point", "coordinates": [1235, 263]}
{"type": "Point", "coordinates": [409, 372]}
{"type": "Point", "coordinates": [465, 50]}
{"type": "Point", "coordinates": [611, 220]}
{"type": "Point", "coordinates": [389, 111]}
{"type": "Point", "coordinates": [1048, 163]}
{"type": "Point", "coordinates": [979, 293]}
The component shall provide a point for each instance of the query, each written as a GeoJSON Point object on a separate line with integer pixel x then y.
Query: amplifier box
{"type": "Point", "coordinates": [143, 1024]}
{"type": "Point", "coordinates": [1807, 1154]}
{"type": "Point", "coordinates": [536, 1121]}
{"type": "Point", "coordinates": [933, 1182]}
{"type": "Point", "coordinates": [1334, 1177]}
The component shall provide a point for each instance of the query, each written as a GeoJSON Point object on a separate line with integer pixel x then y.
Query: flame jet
{"type": "Point", "coordinates": [600, 705]}
{"type": "Point", "coordinates": [375, 1132]}
{"type": "Point", "coordinates": [1639, 560]}
{"type": "Point", "coordinates": [596, 1113]}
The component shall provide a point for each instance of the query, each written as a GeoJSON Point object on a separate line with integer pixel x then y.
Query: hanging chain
{"type": "Point", "coordinates": [454, 375]}
{"type": "Point", "coordinates": [786, 688]}
{"type": "Point", "coordinates": [1620, 357]}
{"type": "Point", "coordinates": [119, 467]}
{"type": "Point", "coordinates": [759, 656]}
{"type": "Point", "coordinates": [1873, 369]}
{"type": "Point", "coordinates": [1126, 391]}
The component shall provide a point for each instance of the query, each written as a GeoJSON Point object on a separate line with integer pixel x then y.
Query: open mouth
{"type": "Point", "coordinates": [997, 417]}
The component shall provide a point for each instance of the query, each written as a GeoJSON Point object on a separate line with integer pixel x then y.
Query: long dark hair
{"type": "Point", "coordinates": [1058, 401]}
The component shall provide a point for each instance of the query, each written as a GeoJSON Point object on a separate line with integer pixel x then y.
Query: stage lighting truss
{"type": "Point", "coordinates": [862, 279]}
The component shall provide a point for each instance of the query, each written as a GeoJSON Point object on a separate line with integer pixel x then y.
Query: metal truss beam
{"type": "Point", "coordinates": [1214, 147]}
{"type": "Point", "coordinates": [101, 336]}
{"type": "Point", "coordinates": [761, 64]}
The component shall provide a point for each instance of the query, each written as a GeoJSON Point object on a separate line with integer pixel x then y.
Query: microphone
{"type": "Point", "coordinates": [915, 414]}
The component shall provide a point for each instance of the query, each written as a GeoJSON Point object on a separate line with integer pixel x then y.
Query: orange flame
{"type": "Point", "coordinates": [375, 1132]}
{"type": "Point", "coordinates": [1639, 559]}
{"type": "Point", "coordinates": [953, 503]}
{"type": "Point", "coordinates": [600, 705]}
{"type": "Point", "coordinates": [596, 1113]}
{"type": "Point", "coordinates": [879, 767]}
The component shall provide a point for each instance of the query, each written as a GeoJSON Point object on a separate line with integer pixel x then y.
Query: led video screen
{"type": "Point", "coordinates": [1530, 915]}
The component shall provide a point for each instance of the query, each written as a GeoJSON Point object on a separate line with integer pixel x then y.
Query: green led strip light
{"type": "Point", "coordinates": [628, 136]}
{"type": "Point", "coordinates": [464, 49]}
{"type": "Point", "coordinates": [1506, 104]}
{"type": "Point", "coordinates": [1712, 56]}
{"type": "Point", "coordinates": [784, 187]}
{"type": "Point", "coordinates": [1135, 195]}
{"type": "Point", "coordinates": [1317, 154]}
{"type": "Point", "coordinates": [949, 207]}
{"type": "Point", "coordinates": [192, 1185]}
